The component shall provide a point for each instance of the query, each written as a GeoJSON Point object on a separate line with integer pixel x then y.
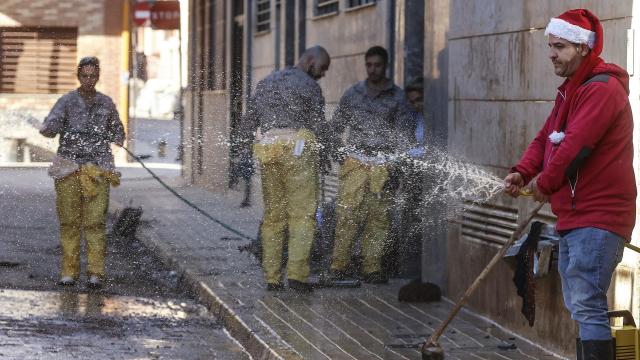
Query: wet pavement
{"type": "Point", "coordinates": [142, 312]}
{"type": "Point", "coordinates": [330, 323]}
{"type": "Point", "coordinates": [157, 141]}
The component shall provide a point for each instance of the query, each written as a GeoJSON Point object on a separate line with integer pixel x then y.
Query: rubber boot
{"type": "Point", "coordinates": [597, 350]}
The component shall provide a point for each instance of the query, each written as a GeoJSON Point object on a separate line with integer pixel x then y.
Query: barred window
{"type": "Point", "coordinates": [38, 60]}
{"type": "Point", "coordinates": [325, 7]}
{"type": "Point", "coordinates": [356, 3]}
{"type": "Point", "coordinates": [263, 15]}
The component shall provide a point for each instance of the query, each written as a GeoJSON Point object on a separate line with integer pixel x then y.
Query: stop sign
{"type": "Point", "coordinates": [165, 15]}
{"type": "Point", "coordinates": [141, 13]}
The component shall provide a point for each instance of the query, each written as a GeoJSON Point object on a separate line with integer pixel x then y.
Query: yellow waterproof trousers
{"type": "Point", "coordinates": [289, 190]}
{"type": "Point", "coordinates": [82, 202]}
{"type": "Point", "coordinates": [362, 203]}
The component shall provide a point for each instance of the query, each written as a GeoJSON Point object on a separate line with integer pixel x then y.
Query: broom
{"type": "Point", "coordinates": [431, 350]}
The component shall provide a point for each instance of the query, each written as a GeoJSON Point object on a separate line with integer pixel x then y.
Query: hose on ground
{"type": "Point", "coordinates": [189, 203]}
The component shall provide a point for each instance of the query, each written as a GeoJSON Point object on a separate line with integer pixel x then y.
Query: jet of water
{"type": "Point", "coordinates": [452, 182]}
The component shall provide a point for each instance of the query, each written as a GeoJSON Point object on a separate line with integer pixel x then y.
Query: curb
{"type": "Point", "coordinates": [237, 328]}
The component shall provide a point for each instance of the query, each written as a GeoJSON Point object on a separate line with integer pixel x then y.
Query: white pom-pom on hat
{"type": "Point", "coordinates": [556, 137]}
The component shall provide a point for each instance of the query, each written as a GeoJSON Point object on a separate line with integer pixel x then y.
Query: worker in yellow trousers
{"type": "Point", "coordinates": [87, 122]}
{"type": "Point", "coordinates": [362, 199]}
{"type": "Point", "coordinates": [286, 125]}
{"type": "Point", "coordinates": [82, 202]}
{"type": "Point", "coordinates": [290, 193]}
{"type": "Point", "coordinates": [379, 124]}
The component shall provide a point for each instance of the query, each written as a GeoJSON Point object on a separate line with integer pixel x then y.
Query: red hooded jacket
{"type": "Point", "coordinates": [589, 174]}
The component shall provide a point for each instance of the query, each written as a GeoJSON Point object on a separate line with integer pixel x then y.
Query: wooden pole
{"type": "Point", "coordinates": [516, 234]}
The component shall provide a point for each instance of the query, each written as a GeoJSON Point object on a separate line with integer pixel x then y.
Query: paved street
{"type": "Point", "coordinates": [145, 311]}
{"type": "Point", "coordinates": [155, 140]}
{"type": "Point", "coordinates": [142, 313]}
{"type": "Point", "coordinates": [362, 323]}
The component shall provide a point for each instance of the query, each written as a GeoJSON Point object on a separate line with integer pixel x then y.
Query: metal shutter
{"type": "Point", "coordinates": [38, 61]}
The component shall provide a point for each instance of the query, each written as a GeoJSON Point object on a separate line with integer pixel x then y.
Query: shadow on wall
{"type": "Point", "coordinates": [437, 101]}
{"type": "Point", "coordinates": [434, 242]}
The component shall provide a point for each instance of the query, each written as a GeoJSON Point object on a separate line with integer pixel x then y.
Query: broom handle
{"type": "Point", "coordinates": [632, 247]}
{"type": "Point", "coordinates": [516, 234]}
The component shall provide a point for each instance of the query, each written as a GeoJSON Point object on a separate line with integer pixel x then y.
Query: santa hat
{"type": "Point", "coordinates": [578, 26]}
{"type": "Point", "coordinates": [582, 27]}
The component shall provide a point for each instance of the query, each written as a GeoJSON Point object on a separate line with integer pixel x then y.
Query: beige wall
{"type": "Point", "coordinates": [501, 90]}
{"type": "Point", "coordinates": [99, 25]}
{"type": "Point", "coordinates": [346, 36]}
{"type": "Point", "coordinates": [215, 161]}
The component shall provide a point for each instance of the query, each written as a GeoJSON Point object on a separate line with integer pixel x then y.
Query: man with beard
{"type": "Point", "coordinates": [583, 160]}
{"type": "Point", "coordinates": [285, 118]}
{"type": "Point", "coordinates": [380, 126]}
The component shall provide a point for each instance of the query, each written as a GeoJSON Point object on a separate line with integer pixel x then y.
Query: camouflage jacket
{"type": "Point", "coordinates": [289, 98]}
{"type": "Point", "coordinates": [85, 131]}
{"type": "Point", "coordinates": [378, 120]}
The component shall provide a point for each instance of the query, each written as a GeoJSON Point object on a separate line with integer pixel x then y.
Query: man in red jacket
{"type": "Point", "coordinates": [583, 158]}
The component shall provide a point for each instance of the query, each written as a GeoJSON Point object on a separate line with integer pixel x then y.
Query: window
{"type": "Point", "coordinates": [263, 16]}
{"type": "Point", "coordinates": [38, 61]}
{"type": "Point", "coordinates": [326, 7]}
{"type": "Point", "coordinates": [356, 3]}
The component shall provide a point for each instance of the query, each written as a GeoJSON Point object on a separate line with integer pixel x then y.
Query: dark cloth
{"type": "Point", "coordinates": [524, 278]}
{"type": "Point", "coordinates": [408, 222]}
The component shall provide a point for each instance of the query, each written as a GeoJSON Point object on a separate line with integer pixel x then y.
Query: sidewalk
{"type": "Point", "coordinates": [362, 323]}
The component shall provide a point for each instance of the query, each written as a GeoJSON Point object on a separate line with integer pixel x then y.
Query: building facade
{"type": "Point", "coordinates": [489, 87]}
{"type": "Point", "coordinates": [234, 44]}
{"type": "Point", "coordinates": [42, 41]}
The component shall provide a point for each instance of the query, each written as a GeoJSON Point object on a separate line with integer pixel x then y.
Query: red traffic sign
{"type": "Point", "coordinates": [165, 15]}
{"type": "Point", "coordinates": [141, 13]}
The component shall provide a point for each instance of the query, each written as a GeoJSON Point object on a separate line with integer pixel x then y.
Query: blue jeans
{"type": "Point", "coordinates": [586, 261]}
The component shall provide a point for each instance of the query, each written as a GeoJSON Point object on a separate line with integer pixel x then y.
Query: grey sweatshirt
{"type": "Point", "coordinates": [85, 131]}
{"type": "Point", "coordinates": [288, 98]}
{"type": "Point", "coordinates": [378, 120]}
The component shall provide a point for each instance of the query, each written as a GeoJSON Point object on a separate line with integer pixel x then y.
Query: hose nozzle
{"type": "Point", "coordinates": [526, 191]}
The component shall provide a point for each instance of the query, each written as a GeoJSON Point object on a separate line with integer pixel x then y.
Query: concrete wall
{"type": "Point", "coordinates": [99, 25]}
{"type": "Point", "coordinates": [263, 48]}
{"type": "Point", "coordinates": [206, 127]}
{"type": "Point", "coordinates": [501, 88]}
{"type": "Point", "coordinates": [436, 75]}
{"type": "Point", "coordinates": [346, 36]}
{"type": "Point", "coordinates": [215, 159]}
